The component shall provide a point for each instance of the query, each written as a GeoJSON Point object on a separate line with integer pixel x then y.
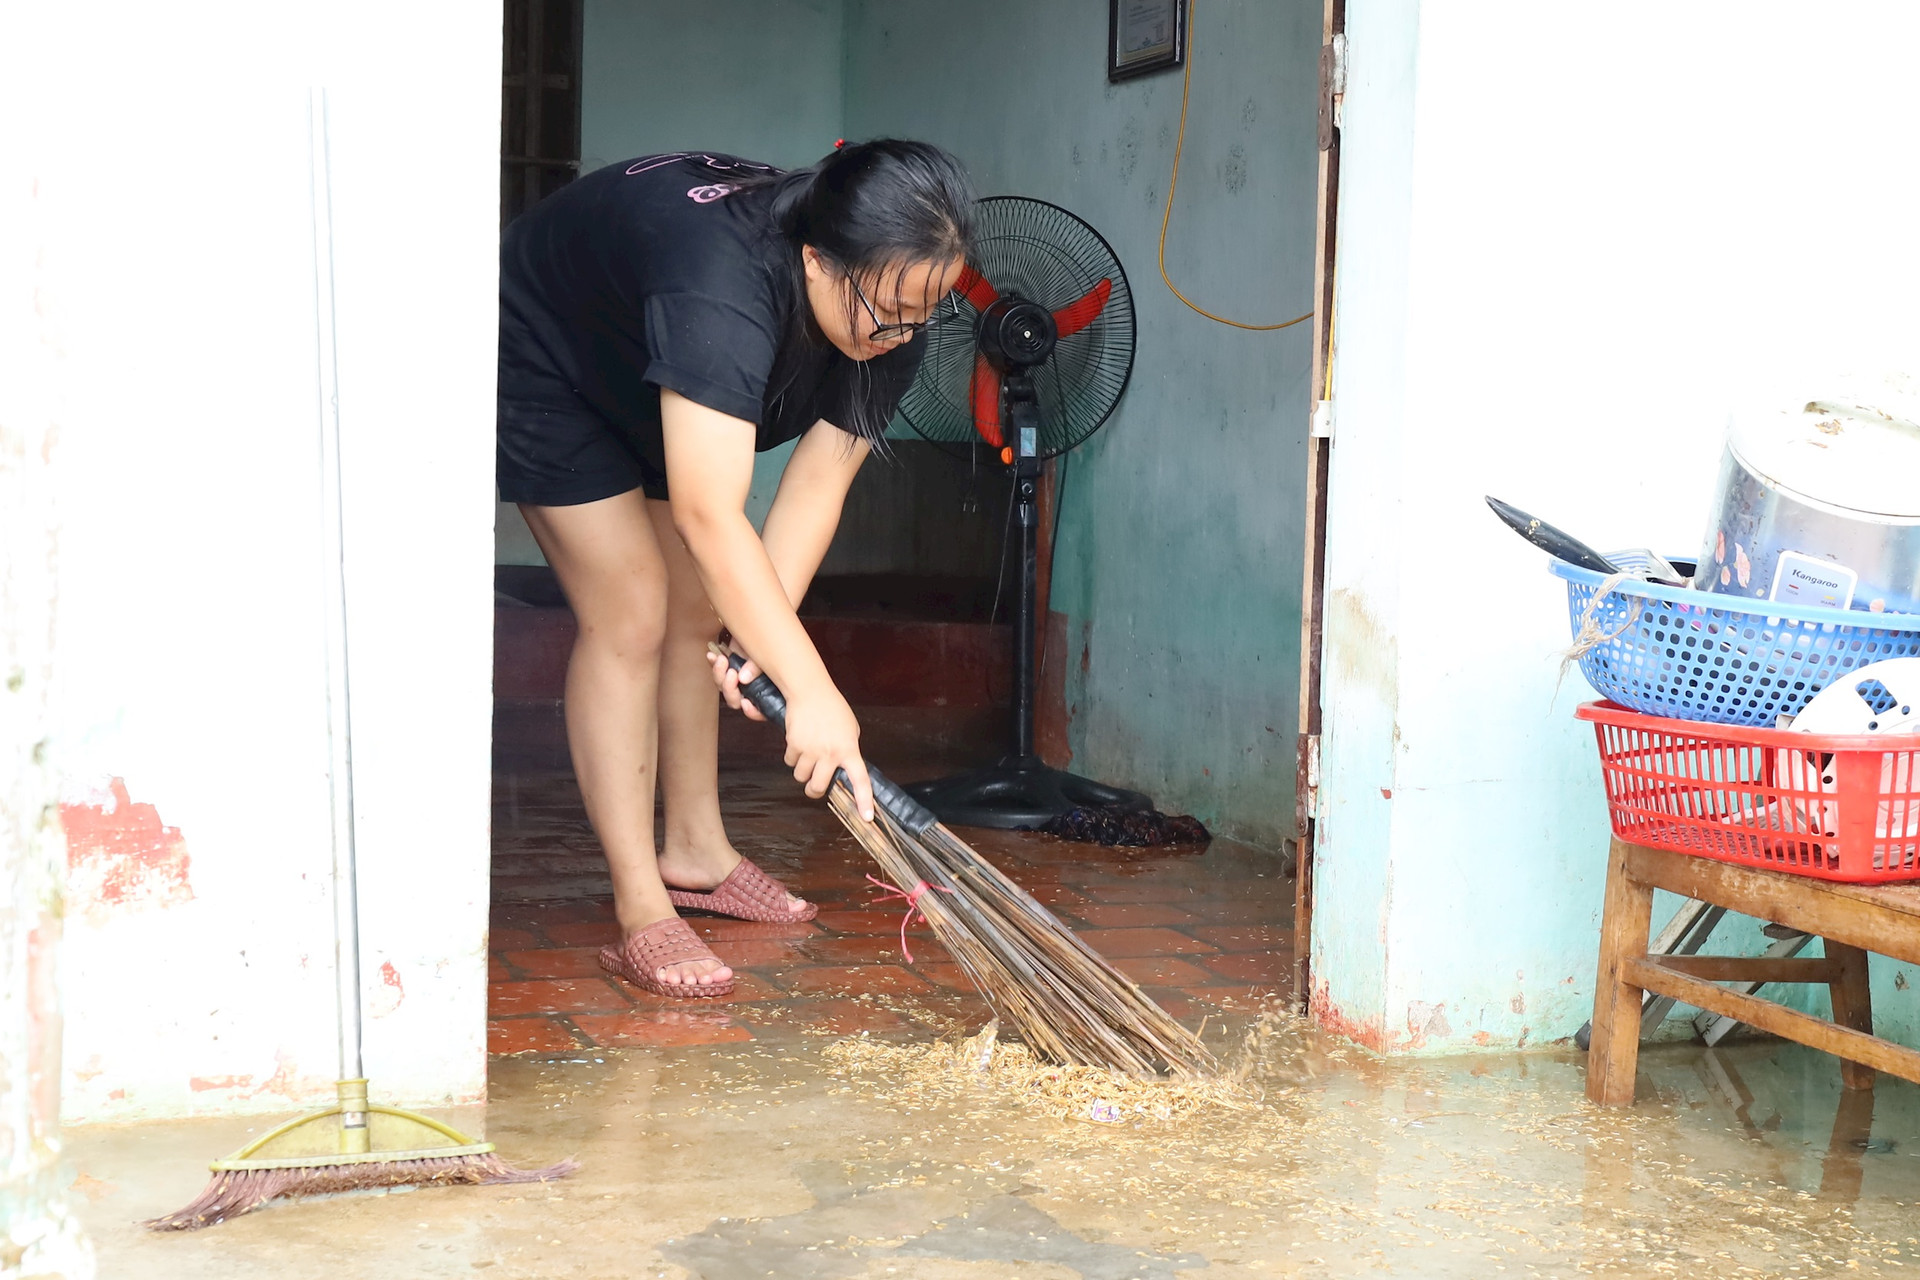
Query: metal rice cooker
{"type": "Point", "coordinates": [1819, 504]}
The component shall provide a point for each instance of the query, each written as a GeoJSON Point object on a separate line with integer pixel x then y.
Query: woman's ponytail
{"type": "Point", "coordinates": [870, 205]}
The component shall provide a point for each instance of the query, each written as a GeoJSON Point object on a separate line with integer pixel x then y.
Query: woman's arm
{"type": "Point", "coordinates": [800, 526]}
{"type": "Point", "coordinates": [709, 471]}
{"type": "Point", "coordinates": [806, 510]}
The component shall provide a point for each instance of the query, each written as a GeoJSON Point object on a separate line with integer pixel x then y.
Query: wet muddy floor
{"type": "Point", "coordinates": [804, 1156]}
{"type": "Point", "coordinates": [818, 1125]}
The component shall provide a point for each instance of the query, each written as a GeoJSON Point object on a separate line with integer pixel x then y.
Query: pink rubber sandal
{"type": "Point", "coordinates": [662, 943]}
{"type": "Point", "coordinates": [747, 894]}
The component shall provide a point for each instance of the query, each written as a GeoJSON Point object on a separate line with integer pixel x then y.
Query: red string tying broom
{"type": "Point", "coordinates": [1067, 1003]}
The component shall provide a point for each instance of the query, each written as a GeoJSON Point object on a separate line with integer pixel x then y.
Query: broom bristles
{"type": "Point", "coordinates": [232, 1192]}
{"type": "Point", "coordinates": [1065, 1000]}
{"type": "Point", "coordinates": [1057, 993]}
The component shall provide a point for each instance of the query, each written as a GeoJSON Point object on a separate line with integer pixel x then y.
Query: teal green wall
{"type": "Point", "coordinates": [1181, 532]}
{"type": "Point", "coordinates": [760, 78]}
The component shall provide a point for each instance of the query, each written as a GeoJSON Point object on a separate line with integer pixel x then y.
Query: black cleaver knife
{"type": "Point", "coordinates": [1559, 545]}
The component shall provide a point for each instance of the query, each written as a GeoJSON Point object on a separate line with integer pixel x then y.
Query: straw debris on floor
{"type": "Point", "coordinates": [950, 1071]}
{"type": "Point", "coordinates": [1288, 1145]}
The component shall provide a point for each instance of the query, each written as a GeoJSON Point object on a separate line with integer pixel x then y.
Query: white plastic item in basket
{"type": "Point", "coordinates": [1881, 697]}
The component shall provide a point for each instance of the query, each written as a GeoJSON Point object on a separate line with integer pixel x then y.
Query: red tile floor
{"type": "Point", "coordinates": [1201, 930]}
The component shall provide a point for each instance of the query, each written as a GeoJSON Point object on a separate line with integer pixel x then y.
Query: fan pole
{"type": "Point", "coordinates": [1023, 416]}
{"type": "Point", "coordinates": [1021, 791]}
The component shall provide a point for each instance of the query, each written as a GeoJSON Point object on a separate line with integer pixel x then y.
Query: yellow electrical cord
{"type": "Point", "coordinates": [1332, 315]}
{"type": "Point", "coordinates": [1173, 182]}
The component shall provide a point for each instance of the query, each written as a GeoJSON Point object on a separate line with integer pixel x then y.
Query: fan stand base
{"type": "Point", "coordinates": [1019, 793]}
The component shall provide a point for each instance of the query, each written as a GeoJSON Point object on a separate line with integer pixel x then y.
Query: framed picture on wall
{"type": "Point", "coordinates": [1145, 36]}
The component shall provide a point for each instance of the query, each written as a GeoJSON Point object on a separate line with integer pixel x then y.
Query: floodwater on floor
{"type": "Point", "coordinates": [816, 1157]}
{"type": "Point", "coordinates": [822, 1124]}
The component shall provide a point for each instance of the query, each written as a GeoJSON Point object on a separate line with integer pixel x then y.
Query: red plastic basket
{"type": "Point", "coordinates": [1835, 808]}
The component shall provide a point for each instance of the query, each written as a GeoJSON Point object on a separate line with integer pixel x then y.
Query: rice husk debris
{"type": "Point", "coordinates": [949, 1071]}
{"type": "Point", "coordinates": [1324, 1161]}
{"type": "Point", "coordinates": [1306, 1141]}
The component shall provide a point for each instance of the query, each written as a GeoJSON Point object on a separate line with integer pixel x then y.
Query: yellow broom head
{"type": "Point", "coordinates": [350, 1146]}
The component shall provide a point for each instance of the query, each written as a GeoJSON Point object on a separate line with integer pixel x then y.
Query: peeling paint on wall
{"type": "Point", "coordinates": [1426, 1021]}
{"type": "Point", "coordinates": [1368, 1033]}
{"type": "Point", "coordinates": [1233, 170]}
{"type": "Point", "coordinates": [387, 994]}
{"type": "Point", "coordinates": [1368, 652]}
{"type": "Point", "coordinates": [287, 1081]}
{"type": "Point", "coordinates": [122, 857]}
{"type": "Point", "coordinates": [206, 1084]}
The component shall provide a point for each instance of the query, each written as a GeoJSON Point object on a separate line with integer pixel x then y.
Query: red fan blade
{"type": "Point", "coordinates": [985, 396]}
{"type": "Point", "coordinates": [1076, 316]}
{"type": "Point", "coordinates": [974, 288]}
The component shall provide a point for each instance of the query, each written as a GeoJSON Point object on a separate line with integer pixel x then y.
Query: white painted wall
{"type": "Point", "coordinates": [179, 269]}
{"type": "Point", "coordinates": [1569, 236]}
{"type": "Point", "coordinates": [42, 1235]}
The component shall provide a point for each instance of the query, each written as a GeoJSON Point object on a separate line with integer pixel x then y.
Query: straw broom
{"type": "Point", "coordinates": [1065, 1001]}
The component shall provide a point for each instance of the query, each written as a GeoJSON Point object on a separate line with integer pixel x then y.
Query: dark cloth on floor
{"type": "Point", "coordinates": [648, 275]}
{"type": "Point", "coordinates": [1128, 827]}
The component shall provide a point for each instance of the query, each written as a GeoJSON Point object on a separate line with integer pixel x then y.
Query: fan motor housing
{"type": "Point", "coordinates": [1016, 334]}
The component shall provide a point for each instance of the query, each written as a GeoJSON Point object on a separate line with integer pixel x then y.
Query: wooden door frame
{"type": "Point", "coordinates": [523, 174]}
{"type": "Point", "coordinates": [1319, 456]}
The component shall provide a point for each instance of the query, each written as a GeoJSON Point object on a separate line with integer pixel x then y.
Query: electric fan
{"type": "Point", "coordinates": [1031, 360]}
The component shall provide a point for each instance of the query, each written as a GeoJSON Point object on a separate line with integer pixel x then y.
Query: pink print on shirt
{"type": "Point", "coordinates": [721, 164]}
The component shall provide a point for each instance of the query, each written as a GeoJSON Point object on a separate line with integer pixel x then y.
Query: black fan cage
{"type": "Point", "coordinates": [1049, 256]}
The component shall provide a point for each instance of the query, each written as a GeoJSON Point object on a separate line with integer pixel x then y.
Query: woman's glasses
{"type": "Point", "coordinates": [904, 329]}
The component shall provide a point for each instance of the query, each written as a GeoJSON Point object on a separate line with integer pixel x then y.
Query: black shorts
{"type": "Point", "coordinates": [552, 448]}
{"type": "Point", "coordinates": [566, 454]}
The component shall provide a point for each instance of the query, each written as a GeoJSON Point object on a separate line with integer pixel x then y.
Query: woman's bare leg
{"type": "Point", "coordinates": [609, 564]}
{"type": "Point", "coordinates": [695, 853]}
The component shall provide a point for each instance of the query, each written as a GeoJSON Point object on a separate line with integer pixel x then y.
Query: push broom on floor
{"type": "Point", "coordinates": [354, 1144]}
{"type": "Point", "coordinates": [1062, 998]}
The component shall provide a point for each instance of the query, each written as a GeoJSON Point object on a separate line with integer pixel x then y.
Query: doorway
{"type": "Point", "coordinates": [1177, 637]}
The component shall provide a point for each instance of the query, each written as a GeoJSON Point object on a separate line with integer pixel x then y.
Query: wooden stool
{"type": "Point", "coordinates": [1851, 919]}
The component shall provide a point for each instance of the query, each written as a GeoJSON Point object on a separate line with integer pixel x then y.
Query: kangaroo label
{"type": "Point", "coordinates": [1801, 579]}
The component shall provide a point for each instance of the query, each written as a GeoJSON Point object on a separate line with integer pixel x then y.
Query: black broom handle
{"type": "Point", "coordinates": [905, 810]}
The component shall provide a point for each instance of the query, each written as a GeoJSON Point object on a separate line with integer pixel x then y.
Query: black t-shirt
{"type": "Point", "coordinates": [656, 273]}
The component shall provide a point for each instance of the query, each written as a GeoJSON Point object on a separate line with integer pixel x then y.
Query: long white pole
{"type": "Point", "coordinates": [346, 914]}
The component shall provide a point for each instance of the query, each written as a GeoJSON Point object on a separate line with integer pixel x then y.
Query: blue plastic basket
{"type": "Point", "coordinates": [1694, 655]}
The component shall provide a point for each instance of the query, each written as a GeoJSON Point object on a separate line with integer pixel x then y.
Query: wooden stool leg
{"type": "Point", "coordinates": [1614, 1053]}
{"type": "Point", "coordinates": [1842, 1172]}
{"type": "Point", "coordinates": [1852, 1005]}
